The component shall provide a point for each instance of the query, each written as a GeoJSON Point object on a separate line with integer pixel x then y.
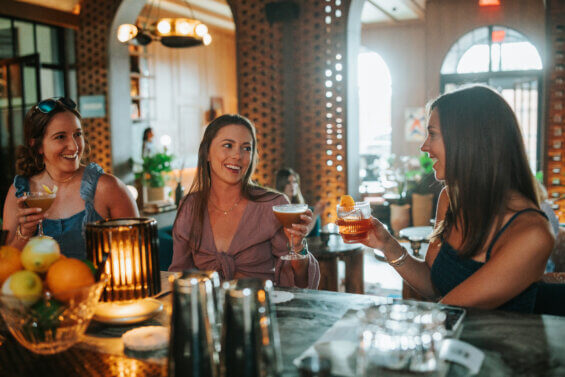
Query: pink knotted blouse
{"type": "Point", "coordinates": [254, 251]}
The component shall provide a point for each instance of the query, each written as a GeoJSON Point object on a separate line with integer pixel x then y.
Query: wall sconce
{"type": "Point", "coordinates": [129, 250]}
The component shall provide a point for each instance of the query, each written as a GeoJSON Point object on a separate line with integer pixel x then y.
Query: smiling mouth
{"type": "Point", "coordinates": [70, 156]}
{"type": "Point", "coordinates": [233, 168]}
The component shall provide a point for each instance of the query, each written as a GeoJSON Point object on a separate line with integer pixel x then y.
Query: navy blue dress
{"type": "Point", "coordinates": [449, 270]}
{"type": "Point", "coordinates": [69, 232]}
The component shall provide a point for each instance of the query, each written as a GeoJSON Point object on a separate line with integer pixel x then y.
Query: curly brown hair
{"type": "Point", "coordinates": [29, 161]}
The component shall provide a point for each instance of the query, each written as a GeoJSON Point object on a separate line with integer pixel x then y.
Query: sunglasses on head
{"type": "Point", "coordinates": [47, 105]}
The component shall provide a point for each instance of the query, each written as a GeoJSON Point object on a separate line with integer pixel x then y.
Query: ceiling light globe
{"type": "Point", "coordinates": [164, 27]}
{"type": "Point", "coordinates": [207, 39]}
{"type": "Point", "coordinates": [201, 30]}
{"type": "Point", "coordinates": [126, 32]}
{"type": "Point", "coordinates": [183, 27]}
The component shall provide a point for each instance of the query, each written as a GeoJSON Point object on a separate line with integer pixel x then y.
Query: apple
{"type": "Point", "coordinates": [39, 253]}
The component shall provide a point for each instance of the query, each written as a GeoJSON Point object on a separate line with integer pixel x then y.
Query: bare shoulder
{"type": "Point", "coordinates": [113, 198]}
{"type": "Point", "coordinates": [529, 235]}
{"type": "Point", "coordinates": [109, 182]}
{"type": "Point", "coordinates": [532, 225]}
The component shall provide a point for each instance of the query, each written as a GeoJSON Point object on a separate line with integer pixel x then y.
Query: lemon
{"type": "Point", "coordinates": [25, 285]}
{"type": "Point", "coordinates": [48, 190]}
{"type": "Point", "coordinates": [40, 253]}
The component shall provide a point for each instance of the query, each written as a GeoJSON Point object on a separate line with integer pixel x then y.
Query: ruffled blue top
{"type": "Point", "coordinates": [69, 232]}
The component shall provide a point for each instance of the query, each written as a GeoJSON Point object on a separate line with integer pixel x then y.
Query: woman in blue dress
{"type": "Point", "coordinates": [491, 242]}
{"type": "Point", "coordinates": [52, 154]}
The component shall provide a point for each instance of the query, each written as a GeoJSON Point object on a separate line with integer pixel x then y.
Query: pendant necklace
{"type": "Point", "coordinates": [226, 212]}
{"type": "Point", "coordinates": [64, 180]}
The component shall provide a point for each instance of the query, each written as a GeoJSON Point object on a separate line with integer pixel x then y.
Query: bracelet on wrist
{"type": "Point", "coordinates": [19, 234]}
{"type": "Point", "coordinates": [400, 260]}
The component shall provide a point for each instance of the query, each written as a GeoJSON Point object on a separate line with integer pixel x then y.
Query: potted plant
{"type": "Point", "coordinates": [152, 177]}
{"type": "Point", "coordinates": [399, 203]}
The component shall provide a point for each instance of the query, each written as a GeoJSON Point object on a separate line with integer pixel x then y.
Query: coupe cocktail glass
{"type": "Point", "coordinates": [41, 200]}
{"type": "Point", "coordinates": [354, 222]}
{"type": "Point", "coordinates": [289, 214]}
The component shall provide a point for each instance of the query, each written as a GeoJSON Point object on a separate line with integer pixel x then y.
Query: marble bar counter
{"type": "Point", "coordinates": [514, 344]}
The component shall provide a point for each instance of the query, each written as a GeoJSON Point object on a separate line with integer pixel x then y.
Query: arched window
{"type": "Point", "coordinates": [504, 59]}
{"type": "Point", "coordinates": [375, 90]}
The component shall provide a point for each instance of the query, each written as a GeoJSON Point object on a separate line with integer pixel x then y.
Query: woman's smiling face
{"type": "Point", "coordinates": [433, 145]}
{"type": "Point", "coordinates": [63, 143]}
{"type": "Point", "coordinates": [230, 154]}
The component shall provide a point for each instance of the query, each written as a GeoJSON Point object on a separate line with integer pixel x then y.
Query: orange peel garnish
{"type": "Point", "coordinates": [347, 201]}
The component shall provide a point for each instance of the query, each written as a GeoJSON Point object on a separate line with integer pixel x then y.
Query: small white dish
{"type": "Point", "coordinates": [146, 338]}
{"type": "Point", "coordinates": [127, 312]}
{"type": "Point", "coordinates": [278, 297]}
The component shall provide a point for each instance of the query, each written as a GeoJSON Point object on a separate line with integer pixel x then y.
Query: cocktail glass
{"type": "Point", "coordinates": [289, 214]}
{"type": "Point", "coordinates": [41, 200]}
{"type": "Point", "coordinates": [354, 222]}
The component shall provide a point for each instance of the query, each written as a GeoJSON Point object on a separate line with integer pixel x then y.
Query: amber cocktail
{"type": "Point", "coordinates": [354, 222]}
{"type": "Point", "coordinates": [41, 200]}
{"type": "Point", "coordinates": [289, 214]}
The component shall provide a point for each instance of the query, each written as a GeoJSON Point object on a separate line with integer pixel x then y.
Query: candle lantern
{"type": "Point", "coordinates": [132, 265]}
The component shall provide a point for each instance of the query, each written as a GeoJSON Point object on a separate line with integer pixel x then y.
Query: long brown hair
{"type": "Point", "coordinates": [200, 188]}
{"type": "Point", "coordinates": [485, 159]}
{"type": "Point", "coordinates": [29, 161]}
{"type": "Point", "coordinates": [281, 180]}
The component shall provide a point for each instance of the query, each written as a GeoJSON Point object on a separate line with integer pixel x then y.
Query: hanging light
{"type": "Point", "coordinates": [172, 32]}
{"type": "Point", "coordinates": [126, 32]}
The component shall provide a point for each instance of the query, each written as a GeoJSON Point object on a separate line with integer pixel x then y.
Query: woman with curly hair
{"type": "Point", "coordinates": [52, 154]}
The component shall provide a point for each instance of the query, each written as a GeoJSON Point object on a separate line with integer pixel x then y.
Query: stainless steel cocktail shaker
{"type": "Point", "coordinates": [250, 344]}
{"type": "Point", "coordinates": [195, 324]}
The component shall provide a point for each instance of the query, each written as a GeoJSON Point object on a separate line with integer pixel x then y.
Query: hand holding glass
{"type": "Point", "coordinates": [289, 214]}
{"type": "Point", "coordinates": [354, 222]}
{"type": "Point", "coordinates": [41, 200]}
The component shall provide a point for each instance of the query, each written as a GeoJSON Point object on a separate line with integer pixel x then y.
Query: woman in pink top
{"type": "Point", "coordinates": [226, 223]}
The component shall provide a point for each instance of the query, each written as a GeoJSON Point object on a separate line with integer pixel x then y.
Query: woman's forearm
{"type": "Point", "coordinates": [415, 272]}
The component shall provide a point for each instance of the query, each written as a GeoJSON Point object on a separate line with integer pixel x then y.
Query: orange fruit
{"type": "Point", "coordinates": [347, 201]}
{"type": "Point", "coordinates": [10, 262]}
{"type": "Point", "coordinates": [66, 276]}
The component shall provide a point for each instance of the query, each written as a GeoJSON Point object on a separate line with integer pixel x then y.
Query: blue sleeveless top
{"type": "Point", "coordinates": [449, 270]}
{"type": "Point", "coordinates": [69, 232]}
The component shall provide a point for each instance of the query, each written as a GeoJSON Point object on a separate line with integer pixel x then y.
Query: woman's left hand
{"type": "Point", "coordinates": [299, 231]}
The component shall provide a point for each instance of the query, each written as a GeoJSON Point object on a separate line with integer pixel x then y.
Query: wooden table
{"type": "Point", "coordinates": [328, 256]}
{"type": "Point", "coordinates": [514, 344]}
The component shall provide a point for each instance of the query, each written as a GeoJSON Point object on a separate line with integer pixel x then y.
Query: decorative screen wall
{"type": "Point", "coordinates": [92, 74]}
{"type": "Point", "coordinates": [555, 156]}
{"type": "Point", "coordinates": [320, 74]}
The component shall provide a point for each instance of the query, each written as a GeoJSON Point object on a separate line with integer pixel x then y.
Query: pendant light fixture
{"type": "Point", "coordinates": [171, 31]}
